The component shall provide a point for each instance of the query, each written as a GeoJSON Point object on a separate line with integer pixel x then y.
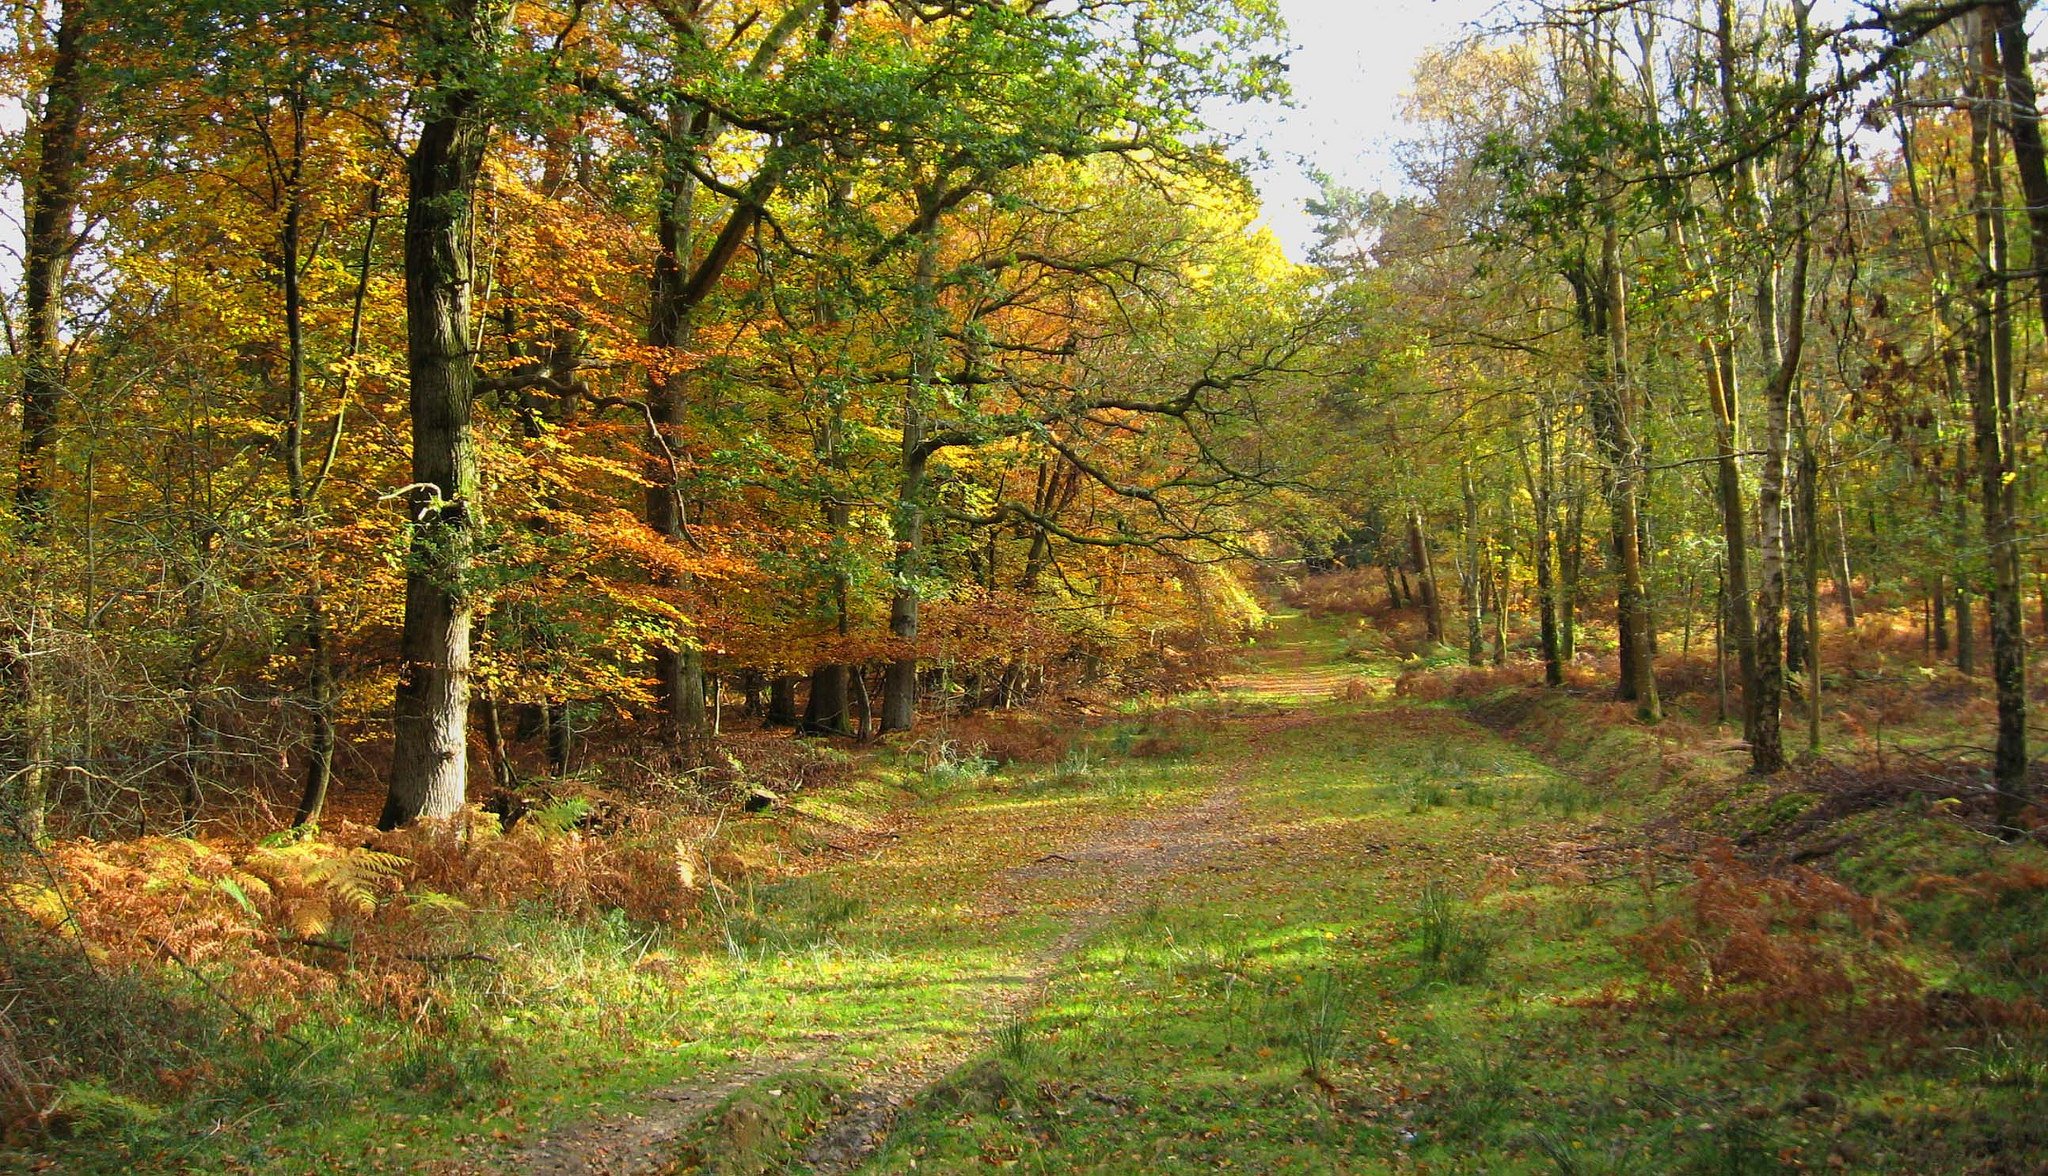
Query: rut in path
{"type": "Point", "coordinates": [1124, 864]}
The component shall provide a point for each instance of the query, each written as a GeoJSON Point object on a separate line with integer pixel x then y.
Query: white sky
{"type": "Point", "coordinates": [1353, 62]}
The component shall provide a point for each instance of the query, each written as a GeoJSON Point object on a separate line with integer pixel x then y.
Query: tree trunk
{"type": "Point", "coordinates": [50, 193]}
{"type": "Point", "coordinates": [494, 742]}
{"type": "Point", "coordinates": [1965, 632]}
{"type": "Point", "coordinates": [320, 705]}
{"type": "Point", "coordinates": [1425, 577]}
{"type": "Point", "coordinates": [863, 705]}
{"type": "Point", "coordinates": [678, 670]}
{"type": "Point", "coordinates": [430, 720]}
{"type": "Point", "coordinates": [1991, 398]}
{"type": "Point", "coordinates": [1722, 386]}
{"type": "Point", "coordinates": [1839, 568]}
{"type": "Point", "coordinates": [899, 687]}
{"type": "Point", "coordinates": [2030, 158]}
{"type": "Point", "coordinates": [1571, 562]}
{"type": "Point", "coordinates": [1542, 484]}
{"type": "Point", "coordinates": [1614, 420]}
{"type": "Point", "coordinates": [1809, 515]}
{"type": "Point", "coordinates": [1502, 572]}
{"type": "Point", "coordinates": [826, 711]}
{"type": "Point", "coordinates": [1937, 607]}
{"type": "Point", "coordinates": [560, 736]}
{"type": "Point", "coordinates": [782, 701]}
{"type": "Point", "coordinates": [1767, 748]}
{"type": "Point", "coordinates": [1469, 574]}
{"type": "Point", "coordinates": [1722, 608]}
{"type": "Point", "coordinates": [50, 198]}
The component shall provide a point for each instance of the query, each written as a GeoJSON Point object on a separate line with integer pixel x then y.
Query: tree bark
{"type": "Point", "coordinates": [50, 195]}
{"type": "Point", "coordinates": [782, 701]}
{"type": "Point", "coordinates": [429, 757]}
{"type": "Point", "coordinates": [1719, 364]}
{"type": "Point", "coordinates": [899, 686]}
{"type": "Point", "coordinates": [1542, 496]}
{"type": "Point", "coordinates": [1470, 573]}
{"type": "Point", "coordinates": [1605, 318]}
{"type": "Point", "coordinates": [1425, 575]}
{"type": "Point", "coordinates": [826, 711]}
{"type": "Point", "coordinates": [1767, 749]}
{"type": "Point", "coordinates": [1991, 394]}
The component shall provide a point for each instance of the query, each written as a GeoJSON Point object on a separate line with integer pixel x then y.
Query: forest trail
{"type": "Point", "coordinates": [1081, 885]}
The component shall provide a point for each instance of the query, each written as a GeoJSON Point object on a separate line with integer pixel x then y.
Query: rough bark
{"type": "Point", "coordinates": [826, 712]}
{"type": "Point", "coordinates": [1722, 394]}
{"type": "Point", "coordinates": [1614, 423]}
{"type": "Point", "coordinates": [899, 685]}
{"type": "Point", "coordinates": [50, 195]}
{"type": "Point", "coordinates": [429, 758]}
{"type": "Point", "coordinates": [782, 701]}
{"type": "Point", "coordinates": [1991, 394]}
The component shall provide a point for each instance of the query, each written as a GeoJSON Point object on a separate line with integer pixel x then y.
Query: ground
{"type": "Point", "coordinates": [1297, 923]}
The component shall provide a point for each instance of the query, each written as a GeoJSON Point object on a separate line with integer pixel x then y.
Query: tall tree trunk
{"type": "Point", "coordinates": [782, 701]}
{"type": "Point", "coordinates": [558, 735]}
{"type": "Point", "coordinates": [1469, 580]}
{"type": "Point", "coordinates": [1542, 483]}
{"type": "Point", "coordinates": [1425, 574]}
{"type": "Point", "coordinates": [1809, 529]}
{"type": "Point", "coordinates": [319, 693]}
{"type": "Point", "coordinates": [2030, 157]}
{"type": "Point", "coordinates": [1571, 562]}
{"type": "Point", "coordinates": [1991, 399]}
{"type": "Point", "coordinates": [1614, 417]}
{"type": "Point", "coordinates": [1965, 631]}
{"type": "Point", "coordinates": [678, 669]}
{"type": "Point", "coordinates": [899, 687]}
{"type": "Point", "coordinates": [429, 756]}
{"type": "Point", "coordinates": [502, 774]}
{"type": "Point", "coordinates": [1838, 568]}
{"type": "Point", "coordinates": [50, 194]}
{"type": "Point", "coordinates": [1767, 750]}
{"type": "Point", "coordinates": [321, 686]}
{"type": "Point", "coordinates": [863, 704]}
{"type": "Point", "coordinates": [1721, 372]}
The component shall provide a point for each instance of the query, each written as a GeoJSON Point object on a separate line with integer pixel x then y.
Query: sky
{"type": "Point", "coordinates": [1353, 62]}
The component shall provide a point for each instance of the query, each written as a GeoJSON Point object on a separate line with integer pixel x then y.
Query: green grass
{"type": "Point", "coordinates": [1368, 993]}
{"type": "Point", "coordinates": [1406, 960]}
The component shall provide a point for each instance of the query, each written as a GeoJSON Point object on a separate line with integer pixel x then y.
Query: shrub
{"type": "Point", "coordinates": [1764, 942]}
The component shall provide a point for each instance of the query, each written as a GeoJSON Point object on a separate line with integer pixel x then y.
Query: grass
{"type": "Point", "coordinates": [1408, 960]}
{"type": "Point", "coordinates": [877, 957]}
{"type": "Point", "coordinates": [1382, 985]}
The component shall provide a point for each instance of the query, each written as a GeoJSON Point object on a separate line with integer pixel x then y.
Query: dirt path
{"type": "Point", "coordinates": [1116, 873]}
{"type": "Point", "coordinates": [1123, 865]}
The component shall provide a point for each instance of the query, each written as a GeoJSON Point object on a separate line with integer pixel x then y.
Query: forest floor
{"type": "Point", "coordinates": [1298, 923]}
{"type": "Point", "coordinates": [1337, 931]}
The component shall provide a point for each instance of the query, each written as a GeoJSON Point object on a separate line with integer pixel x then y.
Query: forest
{"type": "Point", "coordinates": [749, 586]}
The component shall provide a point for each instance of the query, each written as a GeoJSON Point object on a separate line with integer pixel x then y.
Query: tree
{"type": "Point", "coordinates": [461, 43]}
